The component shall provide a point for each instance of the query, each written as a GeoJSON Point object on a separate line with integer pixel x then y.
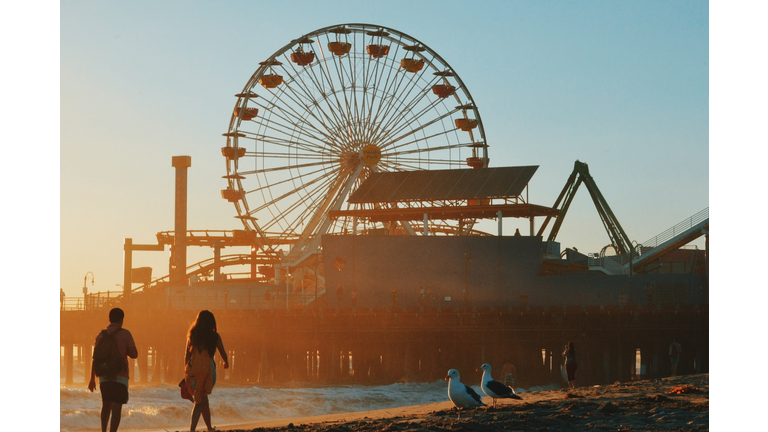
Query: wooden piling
{"type": "Point", "coordinates": [414, 345]}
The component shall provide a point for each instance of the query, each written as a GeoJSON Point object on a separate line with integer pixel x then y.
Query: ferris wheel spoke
{"type": "Point", "coordinates": [289, 107]}
{"type": "Point", "coordinates": [399, 91]}
{"type": "Point", "coordinates": [291, 98]}
{"type": "Point", "coordinates": [297, 142]}
{"type": "Point", "coordinates": [335, 122]}
{"type": "Point", "coordinates": [421, 127]}
{"type": "Point", "coordinates": [398, 115]}
{"type": "Point", "coordinates": [326, 77]}
{"type": "Point", "coordinates": [285, 157]}
{"type": "Point", "coordinates": [302, 215]}
{"type": "Point", "coordinates": [430, 161]}
{"type": "Point", "coordinates": [290, 180]}
{"type": "Point", "coordinates": [425, 139]}
{"type": "Point", "coordinates": [304, 186]}
{"type": "Point", "coordinates": [395, 165]}
{"type": "Point", "coordinates": [378, 85]}
{"type": "Point", "coordinates": [279, 217]}
{"type": "Point", "coordinates": [345, 111]}
{"type": "Point", "coordinates": [397, 94]}
{"type": "Point", "coordinates": [387, 92]}
{"type": "Point", "coordinates": [292, 123]}
{"type": "Point", "coordinates": [287, 112]}
{"type": "Point", "coordinates": [426, 149]}
{"type": "Point", "coordinates": [287, 139]}
{"type": "Point", "coordinates": [288, 167]}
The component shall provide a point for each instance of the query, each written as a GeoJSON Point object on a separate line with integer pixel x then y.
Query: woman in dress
{"type": "Point", "coordinates": [199, 367]}
{"type": "Point", "coordinates": [570, 364]}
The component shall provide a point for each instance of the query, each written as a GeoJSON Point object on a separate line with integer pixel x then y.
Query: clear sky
{"type": "Point", "coordinates": [622, 86]}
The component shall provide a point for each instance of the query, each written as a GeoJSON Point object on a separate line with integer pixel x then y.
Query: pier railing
{"type": "Point", "coordinates": [91, 301]}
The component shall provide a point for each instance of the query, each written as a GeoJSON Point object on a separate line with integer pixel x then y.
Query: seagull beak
{"type": "Point", "coordinates": [446, 378]}
{"type": "Point", "coordinates": [478, 370]}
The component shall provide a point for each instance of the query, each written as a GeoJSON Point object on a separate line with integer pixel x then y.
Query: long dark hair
{"type": "Point", "coordinates": [202, 334]}
{"type": "Point", "coordinates": [571, 349]}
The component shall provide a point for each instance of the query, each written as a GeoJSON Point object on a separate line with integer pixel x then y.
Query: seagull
{"type": "Point", "coordinates": [460, 394]}
{"type": "Point", "coordinates": [495, 389]}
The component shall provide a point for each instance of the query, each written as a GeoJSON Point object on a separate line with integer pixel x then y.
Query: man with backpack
{"type": "Point", "coordinates": [112, 346]}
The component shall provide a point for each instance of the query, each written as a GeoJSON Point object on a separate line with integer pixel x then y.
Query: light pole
{"type": "Point", "coordinates": [467, 259]}
{"type": "Point", "coordinates": [287, 288]}
{"type": "Point", "coordinates": [85, 288]}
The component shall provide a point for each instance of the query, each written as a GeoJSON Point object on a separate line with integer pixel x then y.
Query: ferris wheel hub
{"type": "Point", "coordinates": [370, 154]}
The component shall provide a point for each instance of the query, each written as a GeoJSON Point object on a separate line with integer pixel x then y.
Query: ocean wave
{"type": "Point", "coordinates": [159, 406]}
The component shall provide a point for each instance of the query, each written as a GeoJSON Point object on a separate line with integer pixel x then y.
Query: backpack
{"type": "Point", "coordinates": [107, 361]}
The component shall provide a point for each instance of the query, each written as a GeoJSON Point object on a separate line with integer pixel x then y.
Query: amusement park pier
{"type": "Point", "coordinates": [356, 160]}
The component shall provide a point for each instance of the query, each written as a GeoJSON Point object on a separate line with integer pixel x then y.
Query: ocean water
{"type": "Point", "coordinates": [160, 407]}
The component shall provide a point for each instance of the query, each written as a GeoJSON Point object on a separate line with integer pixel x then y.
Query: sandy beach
{"type": "Point", "coordinates": [676, 403]}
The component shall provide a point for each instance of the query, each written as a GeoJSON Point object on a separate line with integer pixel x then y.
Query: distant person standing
{"type": "Point", "coordinates": [353, 297]}
{"type": "Point", "coordinates": [674, 355]}
{"type": "Point", "coordinates": [421, 296]}
{"type": "Point", "coordinates": [340, 294]}
{"type": "Point", "coordinates": [61, 297]}
{"type": "Point", "coordinates": [431, 297]}
{"type": "Point", "coordinates": [570, 364]}
{"type": "Point", "coordinates": [509, 373]}
{"type": "Point", "coordinates": [113, 380]}
{"type": "Point", "coordinates": [394, 297]}
{"type": "Point", "coordinates": [199, 367]}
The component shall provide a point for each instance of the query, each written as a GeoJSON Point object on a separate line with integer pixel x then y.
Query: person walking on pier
{"type": "Point", "coordinates": [571, 364]}
{"type": "Point", "coordinates": [113, 388]}
{"type": "Point", "coordinates": [199, 367]}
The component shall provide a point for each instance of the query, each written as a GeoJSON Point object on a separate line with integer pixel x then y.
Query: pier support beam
{"type": "Point", "coordinates": [87, 360]}
{"type": "Point", "coordinates": [69, 363]}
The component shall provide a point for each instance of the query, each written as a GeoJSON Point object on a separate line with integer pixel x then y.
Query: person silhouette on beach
{"type": "Point", "coordinates": [340, 294]}
{"type": "Point", "coordinates": [508, 372]}
{"type": "Point", "coordinates": [674, 355]}
{"type": "Point", "coordinates": [114, 390]}
{"type": "Point", "coordinates": [199, 367]}
{"type": "Point", "coordinates": [571, 364]}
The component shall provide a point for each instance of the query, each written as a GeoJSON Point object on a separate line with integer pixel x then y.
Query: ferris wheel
{"type": "Point", "coordinates": [328, 109]}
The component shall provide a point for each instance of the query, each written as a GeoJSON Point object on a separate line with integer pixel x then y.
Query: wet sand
{"type": "Point", "coordinates": [677, 403]}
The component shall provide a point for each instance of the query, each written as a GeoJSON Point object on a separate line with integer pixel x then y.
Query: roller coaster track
{"type": "Point", "coordinates": [202, 269]}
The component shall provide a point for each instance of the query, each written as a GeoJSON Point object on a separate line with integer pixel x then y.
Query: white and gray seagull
{"type": "Point", "coordinates": [462, 395]}
{"type": "Point", "coordinates": [493, 388]}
